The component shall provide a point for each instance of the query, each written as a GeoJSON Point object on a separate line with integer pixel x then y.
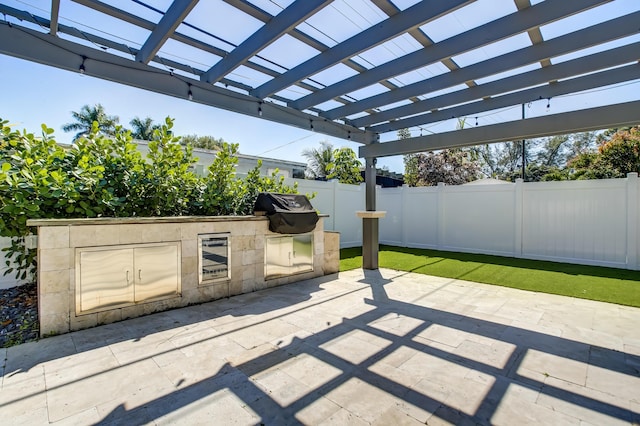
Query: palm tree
{"type": "Point", "coordinates": [86, 117]}
{"type": "Point", "coordinates": [319, 160]}
{"type": "Point", "coordinates": [143, 128]}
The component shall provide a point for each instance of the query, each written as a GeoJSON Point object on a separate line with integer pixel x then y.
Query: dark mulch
{"type": "Point", "coordinates": [18, 315]}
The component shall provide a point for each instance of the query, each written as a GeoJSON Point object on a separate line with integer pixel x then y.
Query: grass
{"type": "Point", "coordinates": [613, 285]}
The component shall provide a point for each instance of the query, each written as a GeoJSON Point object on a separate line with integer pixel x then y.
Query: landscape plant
{"type": "Point", "coordinates": [106, 176]}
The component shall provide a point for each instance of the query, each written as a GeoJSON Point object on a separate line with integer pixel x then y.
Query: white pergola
{"type": "Point", "coordinates": [311, 71]}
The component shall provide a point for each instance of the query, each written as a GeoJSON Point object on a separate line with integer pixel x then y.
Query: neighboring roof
{"type": "Point", "coordinates": [354, 70]}
{"type": "Point", "coordinates": [240, 155]}
{"type": "Point", "coordinates": [274, 160]}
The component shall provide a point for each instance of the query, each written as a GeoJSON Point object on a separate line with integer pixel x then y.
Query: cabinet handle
{"type": "Point", "coordinates": [140, 274]}
{"type": "Point", "coordinates": [127, 276]}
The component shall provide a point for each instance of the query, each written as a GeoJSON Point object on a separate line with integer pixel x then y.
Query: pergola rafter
{"type": "Point", "coordinates": [492, 32]}
{"type": "Point", "coordinates": [396, 25]}
{"type": "Point", "coordinates": [178, 10]}
{"type": "Point", "coordinates": [595, 62]}
{"type": "Point", "coordinates": [55, 10]}
{"type": "Point", "coordinates": [276, 27]}
{"type": "Point", "coordinates": [546, 91]}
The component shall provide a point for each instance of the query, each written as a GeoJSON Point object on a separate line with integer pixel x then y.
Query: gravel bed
{"type": "Point", "coordinates": [18, 315]}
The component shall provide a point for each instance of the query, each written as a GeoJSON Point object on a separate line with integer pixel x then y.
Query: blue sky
{"type": "Point", "coordinates": [40, 94]}
{"type": "Point", "coordinates": [33, 94]}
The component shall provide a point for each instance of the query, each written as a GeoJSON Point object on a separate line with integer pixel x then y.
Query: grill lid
{"type": "Point", "coordinates": [287, 213]}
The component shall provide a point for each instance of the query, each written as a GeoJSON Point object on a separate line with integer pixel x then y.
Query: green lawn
{"type": "Point", "coordinates": [613, 285]}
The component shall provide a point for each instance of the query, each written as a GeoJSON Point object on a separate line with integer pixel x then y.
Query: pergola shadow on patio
{"type": "Point", "coordinates": [378, 347]}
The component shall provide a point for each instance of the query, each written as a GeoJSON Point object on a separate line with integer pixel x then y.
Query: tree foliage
{"type": "Point", "coordinates": [204, 142]}
{"type": "Point", "coordinates": [319, 160]}
{"type": "Point", "coordinates": [588, 155]}
{"type": "Point", "coordinates": [104, 176]}
{"type": "Point", "coordinates": [345, 166]}
{"type": "Point", "coordinates": [325, 162]}
{"type": "Point", "coordinates": [143, 128]}
{"type": "Point", "coordinates": [451, 166]}
{"type": "Point", "coordinates": [410, 162]}
{"type": "Point", "coordinates": [88, 115]}
{"type": "Point", "coordinates": [546, 158]}
{"type": "Point", "coordinates": [615, 157]}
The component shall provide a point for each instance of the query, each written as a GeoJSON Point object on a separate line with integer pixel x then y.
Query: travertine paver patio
{"type": "Point", "coordinates": [381, 347]}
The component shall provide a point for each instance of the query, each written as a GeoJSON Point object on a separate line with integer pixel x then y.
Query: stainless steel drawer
{"type": "Point", "coordinates": [288, 255]}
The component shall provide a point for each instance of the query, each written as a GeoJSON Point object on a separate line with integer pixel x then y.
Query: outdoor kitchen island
{"type": "Point", "coordinates": [99, 271]}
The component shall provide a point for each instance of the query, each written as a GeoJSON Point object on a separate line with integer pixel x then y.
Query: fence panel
{"type": "Point", "coordinates": [8, 281]}
{"type": "Point", "coordinates": [391, 226]}
{"type": "Point", "coordinates": [478, 219]}
{"type": "Point", "coordinates": [420, 217]}
{"type": "Point", "coordinates": [348, 200]}
{"type": "Point", "coordinates": [577, 221]}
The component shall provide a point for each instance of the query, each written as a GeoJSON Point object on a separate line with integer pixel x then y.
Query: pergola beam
{"type": "Point", "coordinates": [174, 16]}
{"type": "Point", "coordinates": [581, 39]}
{"type": "Point", "coordinates": [38, 47]}
{"type": "Point", "coordinates": [394, 26]}
{"type": "Point", "coordinates": [264, 36]}
{"type": "Point", "coordinates": [483, 35]}
{"type": "Point", "coordinates": [610, 116]}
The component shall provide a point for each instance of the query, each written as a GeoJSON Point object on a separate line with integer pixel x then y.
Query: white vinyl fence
{"type": "Point", "coordinates": [591, 222]}
{"type": "Point", "coordinates": [8, 281]}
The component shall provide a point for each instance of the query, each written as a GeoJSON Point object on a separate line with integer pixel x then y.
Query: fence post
{"type": "Point", "coordinates": [518, 213]}
{"type": "Point", "coordinates": [632, 221]}
{"type": "Point", "coordinates": [441, 215]}
{"type": "Point", "coordinates": [403, 206]}
{"type": "Point", "coordinates": [334, 189]}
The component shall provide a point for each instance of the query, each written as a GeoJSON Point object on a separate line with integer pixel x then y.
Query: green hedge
{"type": "Point", "coordinates": [103, 176]}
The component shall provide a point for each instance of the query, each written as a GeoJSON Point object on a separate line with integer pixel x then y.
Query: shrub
{"type": "Point", "coordinates": [102, 176]}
